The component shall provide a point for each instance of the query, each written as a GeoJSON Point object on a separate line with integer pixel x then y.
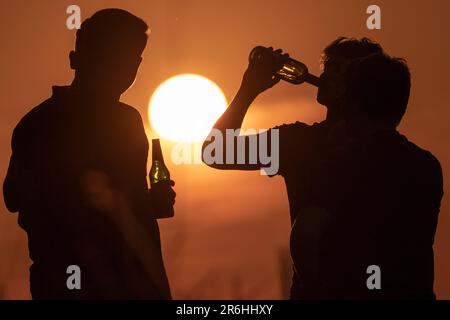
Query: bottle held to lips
{"type": "Point", "coordinates": [292, 71]}
{"type": "Point", "coordinates": [159, 174]}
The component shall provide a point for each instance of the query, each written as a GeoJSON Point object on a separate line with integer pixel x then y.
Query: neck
{"type": "Point", "coordinates": [86, 91]}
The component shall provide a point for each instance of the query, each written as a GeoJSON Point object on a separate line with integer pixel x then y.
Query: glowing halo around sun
{"type": "Point", "coordinates": [185, 107]}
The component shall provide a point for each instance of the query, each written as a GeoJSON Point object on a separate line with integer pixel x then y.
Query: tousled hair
{"type": "Point", "coordinates": [344, 48]}
{"type": "Point", "coordinates": [109, 26]}
{"type": "Point", "coordinates": [379, 87]}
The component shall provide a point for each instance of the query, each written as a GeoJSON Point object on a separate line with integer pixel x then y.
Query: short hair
{"type": "Point", "coordinates": [349, 49]}
{"type": "Point", "coordinates": [379, 87]}
{"type": "Point", "coordinates": [111, 26]}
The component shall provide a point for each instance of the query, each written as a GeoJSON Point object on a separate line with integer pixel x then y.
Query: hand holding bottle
{"type": "Point", "coordinates": [261, 72]}
{"type": "Point", "coordinates": [268, 66]}
{"type": "Point", "coordinates": [162, 196]}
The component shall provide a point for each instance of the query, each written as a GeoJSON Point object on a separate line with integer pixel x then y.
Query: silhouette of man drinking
{"type": "Point", "coordinates": [380, 194]}
{"type": "Point", "coordinates": [303, 150]}
{"type": "Point", "coordinates": [77, 175]}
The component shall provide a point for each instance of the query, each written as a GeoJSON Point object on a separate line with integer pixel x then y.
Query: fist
{"type": "Point", "coordinates": [261, 72]}
{"type": "Point", "coordinates": [162, 198]}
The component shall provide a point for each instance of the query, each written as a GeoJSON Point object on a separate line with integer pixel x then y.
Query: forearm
{"type": "Point", "coordinates": [233, 117]}
{"type": "Point", "coordinates": [257, 78]}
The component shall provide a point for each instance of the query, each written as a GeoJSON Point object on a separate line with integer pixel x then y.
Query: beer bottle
{"type": "Point", "coordinates": [158, 171]}
{"type": "Point", "coordinates": [159, 174]}
{"type": "Point", "coordinates": [292, 71]}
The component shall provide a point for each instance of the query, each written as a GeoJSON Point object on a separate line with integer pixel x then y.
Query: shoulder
{"type": "Point", "coordinates": [299, 128]}
{"type": "Point", "coordinates": [131, 123]}
{"type": "Point", "coordinates": [298, 144]}
{"type": "Point", "coordinates": [420, 153]}
{"type": "Point", "coordinates": [430, 161]}
{"type": "Point", "coordinates": [294, 127]}
{"type": "Point", "coordinates": [34, 118]}
{"type": "Point", "coordinates": [300, 133]}
{"type": "Point", "coordinates": [425, 161]}
{"type": "Point", "coordinates": [129, 112]}
{"type": "Point", "coordinates": [130, 118]}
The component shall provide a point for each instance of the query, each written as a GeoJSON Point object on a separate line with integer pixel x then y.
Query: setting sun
{"type": "Point", "coordinates": [185, 107]}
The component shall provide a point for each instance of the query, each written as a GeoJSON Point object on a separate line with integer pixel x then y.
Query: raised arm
{"type": "Point", "coordinates": [258, 77]}
{"type": "Point", "coordinates": [158, 201]}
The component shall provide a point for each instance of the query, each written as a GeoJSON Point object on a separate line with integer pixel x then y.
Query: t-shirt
{"type": "Point", "coordinates": [80, 154]}
{"type": "Point", "coordinates": [356, 204]}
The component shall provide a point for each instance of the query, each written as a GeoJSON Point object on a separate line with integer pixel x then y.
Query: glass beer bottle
{"type": "Point", "coordinates": [292, 71]}
{"type": "Point", "coordinates": [159, 174]}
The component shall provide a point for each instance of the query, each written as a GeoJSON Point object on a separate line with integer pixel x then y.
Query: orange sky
{"type": "Point", "coordinates": [231, 228]}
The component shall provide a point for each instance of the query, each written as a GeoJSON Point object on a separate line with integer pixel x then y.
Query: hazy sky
{"type": "Point", "coordinates": [231, 230]}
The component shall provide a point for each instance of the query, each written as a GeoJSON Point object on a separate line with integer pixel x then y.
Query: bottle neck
{"type": "Point", "coordinates": [156, 151]}
{"type": "Point", "coordinates": [312, 80]}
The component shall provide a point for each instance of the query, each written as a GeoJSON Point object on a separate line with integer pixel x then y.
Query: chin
{"type": "Point", "coordinates": [321, 100]}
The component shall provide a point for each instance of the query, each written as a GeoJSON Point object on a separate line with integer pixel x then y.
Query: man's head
{"type": "Point", "coordinates": [108, 51]}
{"type": "Point", "coordinates": [335, 60]}
{"type": "Point", "coordinates": [378, 90]}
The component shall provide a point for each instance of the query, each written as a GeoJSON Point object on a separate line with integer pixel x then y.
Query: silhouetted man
{"type": "Point", "coordinates": [301, 150]}
{"type": "Point", "coordinates": [376, 194]}
{"type": "Point", "coordinates": [77, 175]}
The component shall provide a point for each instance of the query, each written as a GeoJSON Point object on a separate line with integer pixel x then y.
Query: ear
{"type": "Point", "coordinates": [73, 58]}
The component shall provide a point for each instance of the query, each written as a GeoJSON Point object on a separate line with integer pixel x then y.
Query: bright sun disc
{"type": "Point", "coordinates": [185, 107]}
